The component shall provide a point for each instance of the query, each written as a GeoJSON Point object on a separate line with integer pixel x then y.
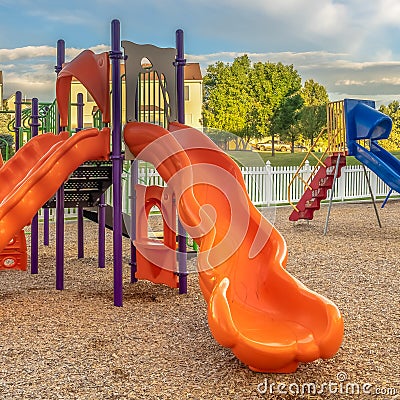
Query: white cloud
{"type": "Point", "coordinates": [72, 52]}
{"type": "Point", "coordinates": [31, 69]}
{"type": "Point", "coordinates": [26, 52]}
{"type": "Point", "coordinates": [387, 12]}
{"type": "Point", "coordinates": [338, 72]}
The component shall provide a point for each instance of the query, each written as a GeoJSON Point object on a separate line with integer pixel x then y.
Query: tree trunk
{"type": "Point", "coordinates": [273, 145]}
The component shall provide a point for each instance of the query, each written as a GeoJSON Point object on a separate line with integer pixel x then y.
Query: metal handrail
{"type": "Point", "coordinates": [297, 174]}
{"type": "Point", "coordinates": [336, 128]}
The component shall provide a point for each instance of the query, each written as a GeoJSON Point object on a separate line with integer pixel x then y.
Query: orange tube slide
{"type": "Point", "coordinates": [267, 317]}
{"type": "Point", "coordinates": [38, 169]}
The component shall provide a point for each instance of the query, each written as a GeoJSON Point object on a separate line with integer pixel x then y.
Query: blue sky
{"type": "Point", "coordinates": [349, 46]}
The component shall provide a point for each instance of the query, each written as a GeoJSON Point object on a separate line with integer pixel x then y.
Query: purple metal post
{"type": "Point", "coordinates": [116, 156]}
{"type": "Point", "coordinates": [180, 63]}
{"type": "Point", "coordinates": [60, 193]}
{"type": "Point", "coordinates": [18, 117]}
{"type": "Point", "coordinates": [133, 183]}
{"type": "Point", "coordinates": [79, 113]}
{"type": "Point", "coordinates": [46, 223]}
{"type": "Point", "coordinates": [35, 221]}
{"type": "Point", "coordinates": [102, 232]}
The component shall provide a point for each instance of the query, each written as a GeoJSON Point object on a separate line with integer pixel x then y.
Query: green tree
{"type": "Point", "coordinates": [311, 120]}
{"type": "Point", "coordinates": [227, 103]}
{"type": "Point", "coordinates": [312, 117]}
{"type": "Point", "coordinates": [272, 85]}
{"type": "Point", "coordinates": [256, 101]}
{"type": "Point", "coordinates": [314, 94]}
{"type": "Point", "coordinates": [393, 111]}
{"type": "Point", "coordinates": [285, 120]}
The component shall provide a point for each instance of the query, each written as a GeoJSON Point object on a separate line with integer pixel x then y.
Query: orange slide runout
{"type": "Point", "coordinates": [269, 319]}
{"type": "Point", "coordinates": [38, 169]}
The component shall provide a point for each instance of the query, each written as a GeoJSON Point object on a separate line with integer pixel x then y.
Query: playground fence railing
{"type": "Point", "coordinates": [267, 185]}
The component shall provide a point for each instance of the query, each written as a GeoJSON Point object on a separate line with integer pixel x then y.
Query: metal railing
{"type": "Point", "coordinates": [298, 174]}
{"type": "Point", "coordinates": [336, 131]}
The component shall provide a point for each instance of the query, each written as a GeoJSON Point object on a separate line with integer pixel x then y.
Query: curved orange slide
{"type": "Point", "coordinates": [267, 317]}
{"type": "Point", "coordinates": [38, 169]}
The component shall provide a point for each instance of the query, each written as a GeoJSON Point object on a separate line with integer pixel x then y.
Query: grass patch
{"type": "Point", "coordinates": [294, 159]}
{"type": "Point", "coordinates": [246, 158]}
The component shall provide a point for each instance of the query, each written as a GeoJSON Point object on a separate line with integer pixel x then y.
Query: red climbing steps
{"type": "Point", "coordinates": [317, 189]}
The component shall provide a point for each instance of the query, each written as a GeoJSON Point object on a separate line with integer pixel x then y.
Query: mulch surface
{"type": "Point", "coordinates": [74, 344]}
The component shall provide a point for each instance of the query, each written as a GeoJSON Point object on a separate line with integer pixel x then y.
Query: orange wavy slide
{"type": "Point", "coordinates": [269, 319]}
{"type": "Point", "coordinates": [38, 169]}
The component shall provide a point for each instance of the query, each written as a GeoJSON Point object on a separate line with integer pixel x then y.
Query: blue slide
{"type": "Point", "coordinates": [364, 122]}
{"type": "Point", "coordinates": [384, 164]}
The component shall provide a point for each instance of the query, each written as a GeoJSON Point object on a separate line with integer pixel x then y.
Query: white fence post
{"type": "Point", "coordinates": [306, 171]}
{"type": "Point", "coordinates": [373, 179]}
{"type": "Point", "coordinates": [268, 183]}
{"type": "Point", "coordinates": [342, 184]}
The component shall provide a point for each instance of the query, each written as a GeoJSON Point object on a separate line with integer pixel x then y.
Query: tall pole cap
{"type": "Point", "coordinates": [60, 55]}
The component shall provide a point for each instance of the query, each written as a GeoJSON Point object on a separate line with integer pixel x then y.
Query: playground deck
{"type": "Point", "coordinates": [75, 344]}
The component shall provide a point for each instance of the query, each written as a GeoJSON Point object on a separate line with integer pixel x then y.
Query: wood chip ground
{"type": "Point", "coordinates": [74, 344]}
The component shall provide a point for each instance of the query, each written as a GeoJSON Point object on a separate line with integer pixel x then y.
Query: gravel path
{"type": "Point", "coordinates": [74, 344]}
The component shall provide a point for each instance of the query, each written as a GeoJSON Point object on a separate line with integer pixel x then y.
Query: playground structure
{"type": "Point", "coordinates": [354, 128]}
{"type": "Point", "coordinates": [255, 307]}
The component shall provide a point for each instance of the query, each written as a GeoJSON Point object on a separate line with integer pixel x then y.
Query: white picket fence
{"type": "Point", "coordinates": [268, 185]}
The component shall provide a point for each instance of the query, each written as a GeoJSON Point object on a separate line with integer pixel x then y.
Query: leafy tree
{"type": "Point", "coordinates": [311, 120]}
{"type": "Point", "coordinates": [393, 111]}
{"type": "Point", "coordinates": [312, 117]}
{"type": "Point", "coordinates": [259, 100]}
{"type": "Point", "coordinates": [285, 120]}
{"type": "Point", "coordinates": [227, 104]}
{"type": "Point", "coordinates": [272, 85]}
{"type": "Point", "coordinates": [314, 94]}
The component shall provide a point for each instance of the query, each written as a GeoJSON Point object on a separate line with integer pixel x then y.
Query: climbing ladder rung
{"type": "Point", "coordinates": [317, 189]}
